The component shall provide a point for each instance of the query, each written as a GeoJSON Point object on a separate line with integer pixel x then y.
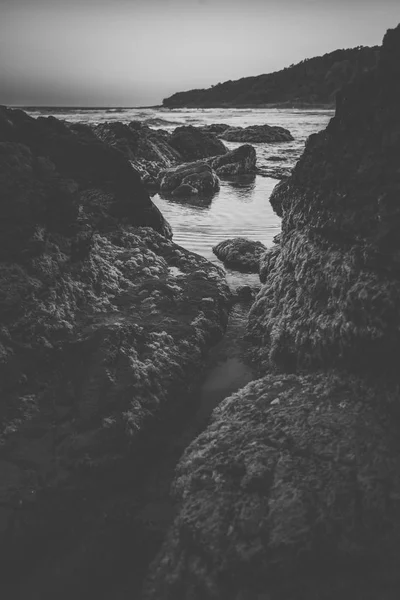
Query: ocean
{"type": "Point", "coordinates": [241, 207]}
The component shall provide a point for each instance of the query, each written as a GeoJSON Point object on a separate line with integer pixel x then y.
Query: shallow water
{"type": "Point", "coordinates": [241, 208]}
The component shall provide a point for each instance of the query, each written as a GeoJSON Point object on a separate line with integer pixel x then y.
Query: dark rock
{"type": "Point", "coordinates": [338, 271]}
{"type": "Point", "coordinates": [215, 128]}
{"type": "Point", "coordinates": [98, 334]}
{"type": "Point", "coordinates": [198, 175]}
{"type": "Point", "coordinates": [257, 133]}
{"type": "Point", "coordinates": [148, 150]}
{"type": "Point", "coordinates": [286, 495]}
{"type": "Point", "coordinates": [245, 293]}
{"type": "Point", "coordinates": [185, 190]}
{"type": "Point", "coordinates": [47, 170]}
{"type": "Point", "coordinates": [192, 143]}
{"type": "Point", "coordinates": [240, 253]}
{"type": "Point", "coordinates": [236, 162]}
{"type": "Point", "coordinates": [267, 262]}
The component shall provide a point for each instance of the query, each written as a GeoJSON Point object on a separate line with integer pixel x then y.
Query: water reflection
{"type": "Point", "coordinates": [240, 208]}
{"type": "Point", "coordinates": [243, 185]}
{"type": "Point", "coordinates": [196, 201]}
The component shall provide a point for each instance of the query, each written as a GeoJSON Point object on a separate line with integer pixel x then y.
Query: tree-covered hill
{"type": "Point", "coordinates": [311, 81]}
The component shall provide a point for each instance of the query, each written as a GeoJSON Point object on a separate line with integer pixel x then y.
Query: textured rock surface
{"type": "Point", "coordinates": [337, 276]}
{"type": "Point", "coordinates": [293, 491]}
{"type": "Point", "coordinates": [149, 150]}
{"type": "Point", "coordinates": [102, 325]}
{"type": "Point", "coordinates": [236, 162]}
{"type": "Point", "coordinates": [198, 175]}
{"type": "Point", "coordinates": [240, 253]}
{"type": "Point", "coordinates": [257, 133]}
{"type": "Point", "coordinates": [152, 151]}
{"type": "Point", "coordinates": [185, 190]}
{"type": "Point", "coordinates": [193, 143]}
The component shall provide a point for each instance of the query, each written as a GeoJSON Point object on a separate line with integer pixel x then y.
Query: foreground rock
{"type": "Point", "coordinates": [104, 325]}
{"type": "Point", "coordinates": [257, 133]}
{"type": "Point", "coordinates": [236, 162]}
{"type": "Point", "coordinates": [293, 490]}
{"type": "Point", "coordinates": [240, 253]}
{"type": "Point", "coordinates": [198, 175]}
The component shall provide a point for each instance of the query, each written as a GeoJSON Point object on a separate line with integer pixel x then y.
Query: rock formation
{"type": "Point", "coordinates": [240, 253]}
{"type": "Point", "coordinates": [192, 143]}
{"type": "Point", "coordinates": [198, 175]}
{"type": "Point", "coordinates": [104, 322]}
{"type": "Point", "coordinates": [293, 491]}
{"type": "Point", "coordinates": [257, 133]}
{"type": "Point", "coordinates": [236, 162]}
{"type": "Point", "coordinates": [151, 151]}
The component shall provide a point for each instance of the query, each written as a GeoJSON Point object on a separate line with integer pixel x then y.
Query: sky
{"type": "Point", "coordinates": [136, 52]}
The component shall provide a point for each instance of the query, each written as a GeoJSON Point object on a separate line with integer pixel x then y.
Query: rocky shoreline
{"type": "Point", "coordinates": [292, 488]}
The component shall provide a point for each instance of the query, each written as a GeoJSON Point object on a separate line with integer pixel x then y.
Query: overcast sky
{"type": "Point", "coordinates": [136, 52]}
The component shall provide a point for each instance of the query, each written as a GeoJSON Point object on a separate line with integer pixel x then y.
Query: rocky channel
{"type": "Point", "coordinates": [281, 439]}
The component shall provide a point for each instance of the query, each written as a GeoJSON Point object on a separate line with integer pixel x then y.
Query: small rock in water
{"type": "Point", "coordinates": [240, 253]}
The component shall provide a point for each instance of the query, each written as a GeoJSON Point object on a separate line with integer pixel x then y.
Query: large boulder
{"type": "Point", "coordinates": [139, 142]}
{"type": "Point", "coordinates": [337, 273]}
{"type": "Point", "coordinates": [266, 134]}
{"type": "Point", "coordinates": [46, 166]}
{"type": "Point", "coordinates": [235, 162]}
{"type": "Point", "coordinates": [198, 175]}
{"type": "Point", "coordinates": [193, 143]}
{"type": "Point", "coordinates": [104, 325]}
{"type": "Point", "coordinates": [240, 253]}
{"type": "Point", "coordinates": [291, 492]}
{"type": "Point", "coordinates": [147, 149]}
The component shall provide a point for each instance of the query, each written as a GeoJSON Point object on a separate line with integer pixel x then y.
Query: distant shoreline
{"type": "Point", "coordinates": [291, 105]}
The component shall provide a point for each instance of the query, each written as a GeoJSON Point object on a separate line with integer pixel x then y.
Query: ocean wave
{"type": "Point", "coordinates": [159, 121]}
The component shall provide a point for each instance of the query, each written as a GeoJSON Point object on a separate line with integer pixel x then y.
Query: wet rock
{"type": "Point", "coordinates": [257, 133]}
{"type": "Point", "coordinates": [148, 150]}
{"type": "Point", "coordinates": [216, 128]}
{"type": "Point", "coordinates": [238, 161]}
{"type": "Point", "coordinates": [291, 492]}
{"type": "Point", "coordinates": [185, 190]}
{"type": "Point", "coordinates": [240, 253]}
{"type": "Point", "coordinates": [198, 175]}
{"type": "Point", "coordinates": [193, 143]}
